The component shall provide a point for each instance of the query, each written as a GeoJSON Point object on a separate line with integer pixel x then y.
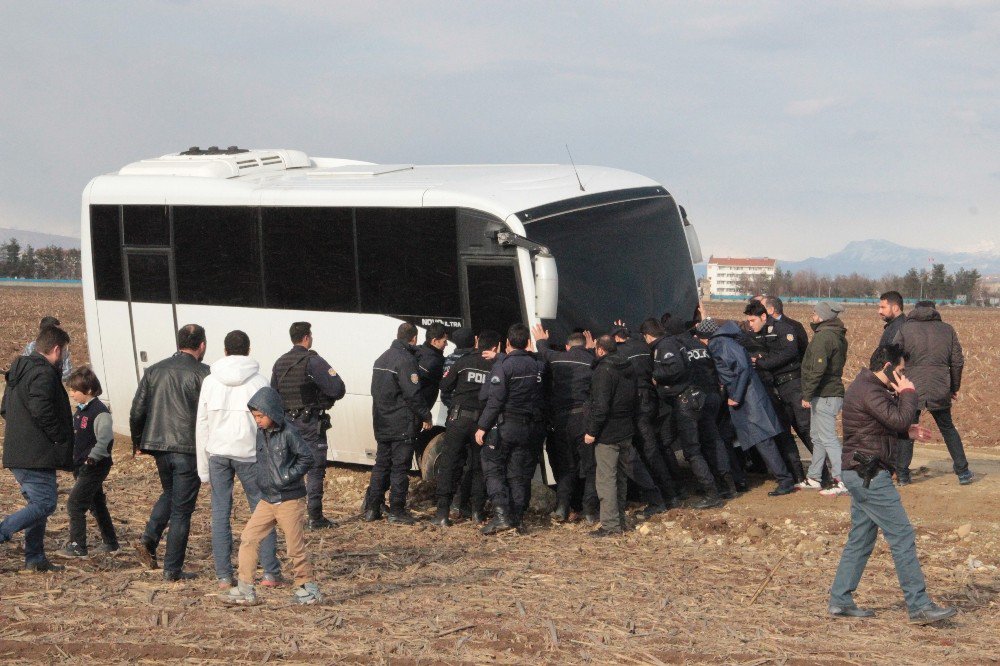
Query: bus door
{"type": "Point", "coordinates": [153, 317]}
{"type": "Point", "coordinates": [493, 293]}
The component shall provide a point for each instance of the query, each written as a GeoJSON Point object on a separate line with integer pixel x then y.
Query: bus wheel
{"type": "Point", "coordinates": [430, 456]}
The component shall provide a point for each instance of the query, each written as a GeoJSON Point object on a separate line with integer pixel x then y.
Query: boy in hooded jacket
{"type": "Point", "coordinates": [283, 458]}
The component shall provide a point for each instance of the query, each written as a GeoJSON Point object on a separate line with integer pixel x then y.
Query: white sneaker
{"type": "Point", "coordinates": [833, 491]}
{"type": "Point", "coordinates": [809, 484]}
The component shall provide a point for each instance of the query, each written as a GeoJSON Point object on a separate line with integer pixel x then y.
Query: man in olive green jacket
{"type": "Point", "coordinates": [823, 393]}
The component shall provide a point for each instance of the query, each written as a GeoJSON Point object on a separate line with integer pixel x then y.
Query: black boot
{"type": "Point", "coordinates": [478, 517]}
{"type": "Point", "coordinates": [651, 510]}
{"type": "Point", "coordinates": [443, 516]}
{"type": "Point", "coordinates": [500, 523]}
{"type": "Point", "coordinates": [708, 502]}
{"type": "Point", "coordinates": [319, 522]}
{"type": "Point", "coordinates": [371, 511]}
{"type": "Point", "coordinates": [561, 514]}
{"type": "Point", "coordinates": [400, 516]}
{"type": "Point", "coordinates": [728, 490]}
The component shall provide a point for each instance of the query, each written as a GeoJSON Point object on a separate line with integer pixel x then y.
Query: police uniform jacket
{"type": "Point", "coordinates": [430, 368]}
{"type": "Point", "coordinates": [449, 361]}
{"type": "Point", "coordinates": [514, 389]}
{"type": "Point", "coordinates": [304, 380]}
{"type": "Point", "coordinates": [781, 352]}
{"type": "Point", "coordinates": [613, 395]}
{"type": "Point", "coordinates": [801, 336]}
{"type": "Point", "coordinates": [670, 369]}
{"type": "Point", "coordinates": [640, 356]}
{"type": "Point", "coordinates": [703, 373]}
{"type": "Point", "coordinates": [463, 381]}
{"type": "Point", "coordinates": [397, 408]}
{"type": "Point", "coordinates": [569, 376]}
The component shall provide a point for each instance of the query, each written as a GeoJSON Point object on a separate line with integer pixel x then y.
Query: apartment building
{"type": "Point", "coordinates": [725, 273]}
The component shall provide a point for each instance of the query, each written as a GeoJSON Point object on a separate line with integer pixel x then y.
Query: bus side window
{"type": "Point", "coordinates": [408, 261]}
{"type": "Point", "coordinates": [309, 259]}
{"type": "Point", "coordinates": [217, 255]}
{"type": "Point", "coordinates": [146, 225]}
{"type": "Point", "coordinates": [106, 253]}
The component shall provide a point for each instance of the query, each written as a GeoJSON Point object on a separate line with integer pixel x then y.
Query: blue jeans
{"type": "Point", "coordinates": [38, 487]}
{"type": "Point", "coordinates": [179, 480]}
{"type": "Point", "coordinates": [878, 507]}
{"type": "Point", "coordinates": [221, 472]}
{"type": "Point", "coordinates": [823, 431]}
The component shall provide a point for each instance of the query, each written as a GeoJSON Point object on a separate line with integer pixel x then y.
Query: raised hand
{"type": "Point", "coordinates": [539, 332]}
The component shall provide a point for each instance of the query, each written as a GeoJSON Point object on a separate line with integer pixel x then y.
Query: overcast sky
{"type": "Point", "coordinates": [786, 129]}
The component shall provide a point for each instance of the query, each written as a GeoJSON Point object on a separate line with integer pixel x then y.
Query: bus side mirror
{"type": "Point", "coordinates": [546, 286]}
{"type": "Point", "coordinates": [694, 246]}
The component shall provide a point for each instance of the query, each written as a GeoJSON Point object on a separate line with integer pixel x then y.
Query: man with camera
{"type": "Point", "coordinates": [880, 404]}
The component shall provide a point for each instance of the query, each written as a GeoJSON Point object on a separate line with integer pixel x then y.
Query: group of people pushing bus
{"type": "Point", "coordinates": [610, 412]}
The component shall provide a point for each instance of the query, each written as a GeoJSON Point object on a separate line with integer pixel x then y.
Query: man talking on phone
{"type": "Point", "coordinates": [880, 404]}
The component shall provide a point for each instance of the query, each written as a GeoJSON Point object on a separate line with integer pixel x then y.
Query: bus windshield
{"type": "Point", "coordinates": [627, 260]}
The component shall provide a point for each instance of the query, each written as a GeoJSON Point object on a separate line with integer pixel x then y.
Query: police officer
{"type": "Point", "coordinates": [471, 482]}
{"type": "Point", "coordinates": [776, 358]}
{"type": "Point", "coordinates": [430, 362]}
{"type": "Point", "coordinates": [776, 310]}
{"type": "Point", "coordinates": [463, 382]}
{"type": "Point", "coordinates": [465, 344]}
{"type": "Point", "coordinates": [399, 413]}
{"type": "Point", "coordinates": [513, 417]}
{"type": "Point", "coordinates": [680, 400]}
{"type": "Point", "coordinates": [308, 387]}
{"type": "Point", "coordinates": [713, 447]}
{"type": "Point", "coordinates": [569, 374]}
{"type": "Point", "coordinates": [644, 441]}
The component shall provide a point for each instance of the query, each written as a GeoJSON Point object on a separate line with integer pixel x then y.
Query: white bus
{"type": "Point", "coordinates": [257, 239]}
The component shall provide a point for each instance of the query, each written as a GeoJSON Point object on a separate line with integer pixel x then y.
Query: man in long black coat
{"type": "Point", "coordinates": [38, 441]}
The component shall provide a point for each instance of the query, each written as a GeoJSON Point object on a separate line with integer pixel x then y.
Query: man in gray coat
{"type": "Point", "coordinates": [935, 367]}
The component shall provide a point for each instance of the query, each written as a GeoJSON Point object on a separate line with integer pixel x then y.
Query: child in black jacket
{"type": "Point", "coordinates": [282, 461]}
{"type": "Point", "coordinates": [93, 438]}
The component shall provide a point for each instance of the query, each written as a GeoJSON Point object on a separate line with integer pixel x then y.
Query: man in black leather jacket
{"type": "Point", "coordinates": [162, 422]}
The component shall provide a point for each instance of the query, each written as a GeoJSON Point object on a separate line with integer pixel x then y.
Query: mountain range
{"type": "Point", "coordinates": [37, 239]}
{"type": "Point", "coordinates": [876, 257]}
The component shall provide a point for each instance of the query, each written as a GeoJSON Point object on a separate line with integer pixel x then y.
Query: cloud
{"type": "Point", "coordinates": [810, 107]}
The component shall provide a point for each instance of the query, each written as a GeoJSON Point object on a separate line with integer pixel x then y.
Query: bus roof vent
{"type": "Point", "coordinates": [215, 162]}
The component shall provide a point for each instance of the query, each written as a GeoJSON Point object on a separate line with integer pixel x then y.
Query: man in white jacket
{"type": "Point", "coordinates": [226, 438]}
